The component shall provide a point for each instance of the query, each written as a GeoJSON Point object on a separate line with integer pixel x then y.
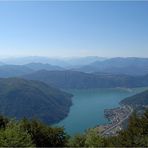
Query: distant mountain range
{"type": "Point", "coordinates": [34, 59]}
{"type": "Point", "coordinates": [23, 98]}
{"type": "Point", "coordinates": [1, 63]}
{"type": "Point", "coordinates": [124, 66]}
{"type": "Point", "coordinates": [80, 80]}
{"type": "Point", "coordinates": [13, 70]}
{"type": "Point", "coordinates": [40, 66]}
{"type": "Point", "coordinates": [18, 70]}
{"type": "Point", "coordinates": [80, 61]}
{"type": "Point", "coordinates": [62, 62]}
{"type": "Point", "coordinates": [103, 73]}
{"type": "Point", "coordinates": [129, 66]}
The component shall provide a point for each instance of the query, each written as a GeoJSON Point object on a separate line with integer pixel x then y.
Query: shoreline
{"type": "Point", "coordinates": [117, 116]}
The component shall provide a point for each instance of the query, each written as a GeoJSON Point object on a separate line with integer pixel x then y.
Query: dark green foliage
{"type": "Point", "coordinates": [43, 135]}
{"type": "Point", "coordinates": [3, 121]}
{"type": "Point", "coordinates": [77, 140]}
{"type": "Point", "coordinates": [29, 133]}
{"type": "Point", "coordinates": [89, 139]}
{"type": "Point", "coordinates": [34, 133]}
{"type": "Point", "coordinates": [14, 136]}
{"type": "Point", "coordinates": [23, 98]}
{"type": "Point", "coordinates": [93, 139]}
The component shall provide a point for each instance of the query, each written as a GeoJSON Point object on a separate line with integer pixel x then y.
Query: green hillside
{"type": "Point", "coordinates": [23, 98]}
{"type": "Point", "coordinates": [137, 100]}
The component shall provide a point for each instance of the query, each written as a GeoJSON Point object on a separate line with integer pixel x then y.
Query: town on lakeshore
{"type": "Point", "coordinates": [117, 117]}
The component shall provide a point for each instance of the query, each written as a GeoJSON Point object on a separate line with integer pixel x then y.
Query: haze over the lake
{"type": "Point", "coordinates": [66, 29]}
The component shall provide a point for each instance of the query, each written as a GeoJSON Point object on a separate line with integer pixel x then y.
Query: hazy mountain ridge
{"type": "Point", "coordinates": [80, 80]}
{"type": "Point", "coordinates": [130, 66]}
{"type": "Point", "coordinates": [1, 63]}
{"type": "Point", "coordinates": [14, 70]}
{"type": "Point", "coordinates": [18, 70]}
{"type": "Point", "coordinates": [41, 66]}
{"type": "Point", "coordinates": [123, 62]}
{"type": "Point", "coordinates": [62, 62]}
{"type": "Point", "coordinates": [115, 72]}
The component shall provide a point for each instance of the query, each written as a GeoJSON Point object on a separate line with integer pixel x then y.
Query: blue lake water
{"type": "Point", "coordinates": [88, 107]}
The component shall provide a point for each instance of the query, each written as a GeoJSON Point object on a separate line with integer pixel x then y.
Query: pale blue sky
{"type": "Point", "coordinates": [62, 29]}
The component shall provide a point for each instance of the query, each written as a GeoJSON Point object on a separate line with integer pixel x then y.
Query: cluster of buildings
{"type": "Point", "coordinates": [117, 118]}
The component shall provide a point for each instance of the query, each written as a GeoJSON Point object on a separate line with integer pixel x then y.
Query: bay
{"type": "Point", "coordinates": [88, 107]}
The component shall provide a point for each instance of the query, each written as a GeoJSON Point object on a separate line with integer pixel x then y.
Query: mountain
{"type": "Point", "coordinates": [79, 80]}
{"type": "Point", "coordinates": [40, 66]}
{"type": "Point", "coordinates": [35, 59]}
{"type": "Point", "coordinates": [79, 61]}
{"type": "Point", "coordinates": [13, 70]}
{"type": "Point", "coordinates": [123, 62]}
{"type": "Point", "coordinates": [62, 62]}
{"type": "Point", "coordinates": [129, 66]}
{"type": "Point", "coordinates": [18, 70]}
{"type": "Point", "coordinates": [1, 63]}
{"type": "Point", "coordinates": [130, 70]}
{"type": "Point", "coordinates": [139, 99]}
{"type": "Point", "coordinates": [123, 66]}
{"type": "Point", "coordinates": [23, 98]}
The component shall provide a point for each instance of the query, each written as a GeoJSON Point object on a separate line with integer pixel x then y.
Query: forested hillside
{"type": "Point", "coordinates": [23, 98]}
{"type": "Point", "coordinates": [79, 80]}
{"type": "Point", "coordinates": [140, 99]}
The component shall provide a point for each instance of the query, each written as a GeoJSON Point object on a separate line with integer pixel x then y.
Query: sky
{"type": "Point", "coordinates": [74, 28]}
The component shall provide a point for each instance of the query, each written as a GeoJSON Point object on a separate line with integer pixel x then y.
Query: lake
{"type": "Point", "coordinates": [88, 107]}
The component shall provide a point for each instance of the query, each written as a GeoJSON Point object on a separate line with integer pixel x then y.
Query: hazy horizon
{"type": "Point", "coordinates": [68, 57]}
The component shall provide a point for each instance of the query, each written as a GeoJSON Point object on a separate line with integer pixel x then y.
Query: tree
{"type": "Point", "coordinates": [93, 139]}
{"type": "Point", "coordinates": [13, 136]}
{"type": "Point", "coordinates": [3, 121]}
{"type": "Point", "coordinates": [90, 138]}
{"type": "Point", "coordinates": [77, 141]}
{"type": "Point", "coordinates": [43, 135]}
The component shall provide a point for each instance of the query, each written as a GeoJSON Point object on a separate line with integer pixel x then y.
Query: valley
{"type": "Point", "coordinates": [92, 84]}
